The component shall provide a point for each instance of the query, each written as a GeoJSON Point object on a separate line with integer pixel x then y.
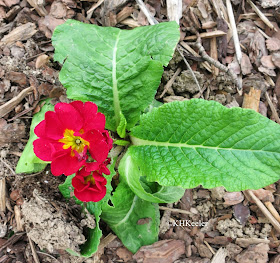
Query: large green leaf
{"type": "Point", "coordinates": [119, 70]}
{"type": "Point", "coordinates": [202, 142]}
{"type": "Point", "coordinates": [29, 162]}
{"type": "Point", "coordinates": [155, 193]}
{"type": "Point", "coordinates": [92, 235]}
{"type": "Point", "coordinates": [135, 221]}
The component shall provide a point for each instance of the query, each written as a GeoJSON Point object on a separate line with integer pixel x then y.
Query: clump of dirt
{"type": "Point", "coordinates": [50, 225]}
{"type": "Point", "coordinates": [231, 228]}
{"type": "Point", "coordinates": [185, 82]}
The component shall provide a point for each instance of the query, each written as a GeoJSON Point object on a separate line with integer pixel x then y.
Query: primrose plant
{"type": "Point", "coordinates": [172, 147]}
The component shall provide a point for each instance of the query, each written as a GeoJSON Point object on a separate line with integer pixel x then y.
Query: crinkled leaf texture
{"type": "Point", "coordinates": [124, 218]}
{"type": "Point", "coordinates": [200, 142]}
{"type": "Point", "coordinates": [29, 162]}
{"type": "Point", "coordinates": [119, 70]}
{"type": "Point", "coordinates": [151, 192]}
{"type": "Point", "coordinates": [95, 208]}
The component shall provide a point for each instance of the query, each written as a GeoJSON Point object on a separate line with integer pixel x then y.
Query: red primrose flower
{"type": "Point", "coordinates": [68, 133]}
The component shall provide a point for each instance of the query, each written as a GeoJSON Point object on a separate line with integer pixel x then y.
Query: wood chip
{"type": "Point", "coordinates": [20, 33]}
{"type": "Point", "coordinates": [174, 10]}
{"type": "Point", "coordinates": [220, 256]}
{"type": "Point", "coordinates": [18, 219]}
{"type": "Point", "coordinates": [164, 251]}
{"type": "Point", "coordinates": [39, 8]}
{"type": "Point", "coordinates": [124, 13]}
{"type": "Point", "coordinates": [246, 242]}
{"type": "Point", "coordinates": [252, 99]}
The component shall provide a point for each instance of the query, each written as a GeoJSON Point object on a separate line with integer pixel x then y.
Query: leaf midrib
{"type": "Point", "coordinates": [116, 101]}
{"type": "Point", "coordinates": [140, 142]}
{"type": "Point", "coordinates": [129, 212]}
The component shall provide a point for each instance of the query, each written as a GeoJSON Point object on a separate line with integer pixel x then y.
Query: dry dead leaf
{"type": "Point", "coordinates": [58, 10]}
{"type": "Point", "coordinates": [233, 198]}
{"type": "Point", "coordinates": [241, 213]}
{"type": "Point", "coordinates": [234, 66]}
{"type": "Point", "coordinates": [276, 59]}
{"type": "Point", "coordinates": [269, 72]}
{"type": "Point", "coordinates": [264, 195]}
{"type": "Point", "coordinates": [267, 62]}
{"type": "Point", "coordinates": [41, 61]}
{"type": "Point", "coordinates": [246, 66]}
{"type": "Point", "coordinates": [273, 44]}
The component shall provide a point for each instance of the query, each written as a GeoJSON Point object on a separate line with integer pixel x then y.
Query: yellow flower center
{"type": "Point", "coordinates": [90, 179]}
{"type": "Point", "coordinates": [75, 142]}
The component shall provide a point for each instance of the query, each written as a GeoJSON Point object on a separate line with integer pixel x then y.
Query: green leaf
{"type": "Point", "coordinates": [197, 142]}
{"type": "Point", "coordinates": [121, 130]}
{"type": "Point", "coordinates": [119, 70]}
{"type": "Point", "coordinates": [121, 142]}
{"type": "Point", "coordinates": [29, 162]}
{"type": "Point", "coordinates": [92, 235]}
{"type": "Point", "coordinates": [155, 104]}
{"type": "Point", "coordinates": [66, 189]}
{"type": "Point", "coordinates": [129, 170]}
{"type": "Point", "coordinates": [123, 218]}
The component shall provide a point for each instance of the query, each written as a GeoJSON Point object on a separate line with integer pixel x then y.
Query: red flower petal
{"type": "Point", "coordinates": [64, 163]}
{"type": "Point", "coordinates": [97, 122]}
{"type": "Point", "coordinates": [91, 194]}
{"type": "Point", "coordinates": [43, 149]}
{"type": "Point", "coordinates": [54, 127]}
{"type": "Point", "coordinates": [69, 117]}
{"type": "Point", "coordinates": [92, 119]}
{"type": "Point", "coordinates": [40, 129]}
{"type": "Point", "coordinates": [99, 151]}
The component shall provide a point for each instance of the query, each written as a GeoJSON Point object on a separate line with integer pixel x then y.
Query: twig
{"type": "Point", "coordinates": [170, 82]}
{"type": "Point", "coordinates": [217, 64]}
{"type": "Point", "coordinates": [190, 50]}
{"type": "Point", "coordinates": [272, 210]}
{"type": "Point", "coordinates": [234, 32]}
{"type": "Point", "coordinates": [264, 210]}
{"type": "Point", "coordinates": [8, 166]}
{"type": "Point", "coordinates": [261, 15]}
{"type": "Point", "coordinates": [190, 69]}
{"type": "Point", "coordinates": [175, 210]}
{"type": "Point", "coordinates": [210, 248]}
{"type": "Point", "coordinates": [29, 175]}
{"type": "Point", "coordinates": [211, 34]}
{"type": "Point", "coordinates": [48, 255]}
{"type": "Point", "coordinates": [146, 12]}
{"type": "Point", "coordinates": [34, 254]}
{"type": "Point", "coordinates": [10, 105]}
{"type": "Point", "coordinates": [90, 11]}
{"type": "Point", "coordinates": [214, 54]}
{"type": "Point", "coordinates": [106, 241]}
{"type": "Point", "coordinates": [274, 112]}
{"type": "Point", "coordinates": [13, 239]}
{"type": "Point", "coordinates": [2, 194]}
